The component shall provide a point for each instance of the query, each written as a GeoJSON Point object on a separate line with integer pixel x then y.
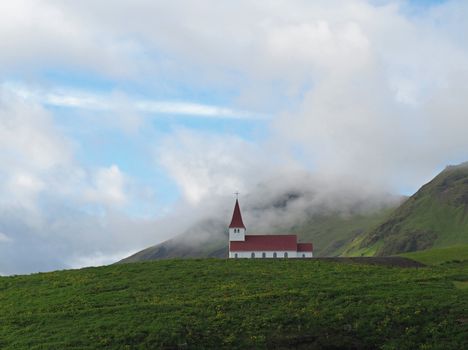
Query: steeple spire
{"type": "Point", "coordinates": [236, 221]}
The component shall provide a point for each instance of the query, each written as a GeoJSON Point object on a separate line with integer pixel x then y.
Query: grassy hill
{"type": "Point", "coordinates": [436, 216]}
{"type": "Point", "coordinates": [214, 303]}
{"type": "Point", "coordinates": [440, 255]}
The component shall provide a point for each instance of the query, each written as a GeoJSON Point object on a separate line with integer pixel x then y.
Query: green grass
{"type": "Point", "coordinates": [461, 284]}
{"type": "Point", "coordinates": [207, 303]}
{"type": "Point", "coordinates": [440, 255]}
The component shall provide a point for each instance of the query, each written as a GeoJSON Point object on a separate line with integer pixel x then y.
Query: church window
{"type": "Point", "coordinates": [252, 255]}
{"type": "Point", "coordinates": [285, 254]}
{"type": "Point", "coordinates": [263, 255]}
{"type": "Point", "coordinates": [274, 255]}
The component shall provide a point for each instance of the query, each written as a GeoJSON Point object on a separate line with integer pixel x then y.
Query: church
{"type": "Point", "coordinates": [263, 246]}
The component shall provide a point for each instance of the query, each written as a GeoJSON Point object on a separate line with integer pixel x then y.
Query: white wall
{"type": "Point", "coordinates": [307, 254]}
{"type": "Point", "coordinates": [237, 236]}
{"type": "Point", "coordinates": [279, 254]}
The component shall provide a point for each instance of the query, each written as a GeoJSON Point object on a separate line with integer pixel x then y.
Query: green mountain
{"type": "Point", "coordinates": [436, 216]}
{"type": "Point", "coordinates": [237, 304]}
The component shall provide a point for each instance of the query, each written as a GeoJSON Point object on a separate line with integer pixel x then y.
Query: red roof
{"type": "Point", "coordinates": [237, 217]}
{"type": "Point", "coordinates": [266, 243]}
{"type": "Point", "coordinates": [305, 247]}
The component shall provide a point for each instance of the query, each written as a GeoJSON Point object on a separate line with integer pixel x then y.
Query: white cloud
{"type": "Point", "coordinates": [194, 109]}
{"type": "Point", "coordinates": [31, 151]}
{"type": "Point", "coordinates": [108, 187]}
{"type": "Point", "coordinates": [50, 204]}
{"type": "Point", "coordinates": [205, 165]}
{"type": "Point", "coordinates": [374, 112]}
{"type": "Point", "coordinates": [44, 33]}
{"type": "Point", "coordinates": [60, 97]}
{"type": "Point", "coordinates": [4, 238]}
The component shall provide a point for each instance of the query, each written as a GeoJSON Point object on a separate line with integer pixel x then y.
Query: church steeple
{"type": "Point", "coordinates": [237, 227]}
{"type": "Point", "coordinates": [236, 221]}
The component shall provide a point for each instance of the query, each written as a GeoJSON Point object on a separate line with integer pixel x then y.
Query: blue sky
{"type": "Point", "coordinates": [123, 114]}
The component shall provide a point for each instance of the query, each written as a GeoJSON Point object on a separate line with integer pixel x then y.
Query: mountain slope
{"type": "Point", "coordinates": [435, 216]}
{"type": "Point", "coordinates": [332, 233]}
{"type": "Point", "coordinates": [206, 239]}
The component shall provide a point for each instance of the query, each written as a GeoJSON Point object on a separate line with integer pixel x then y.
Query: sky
{"type": "Point", "coordinates": [122, 122]}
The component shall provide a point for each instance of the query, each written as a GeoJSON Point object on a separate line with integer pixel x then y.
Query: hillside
{"type": "Point", "coordinates": [330, 233]}
{"type": "Point", "coordinates": [206, 239]}
{"type": "Point", "coordinates": [436, 256]}
{"type": "Point", "coordinates": [435, 216]}
{"type": "Point", "coordinates": [214, 303]}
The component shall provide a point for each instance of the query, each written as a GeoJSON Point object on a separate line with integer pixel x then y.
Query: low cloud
{"type": "Point", "coordinates": [274, 197]}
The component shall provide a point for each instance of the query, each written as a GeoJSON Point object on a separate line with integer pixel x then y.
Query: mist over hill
{"type": "Point", "coordinates": [327, 213]}
{"type": "Point", "coordinates": [338, 220]}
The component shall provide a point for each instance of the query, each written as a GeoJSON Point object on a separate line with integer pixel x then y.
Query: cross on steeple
{"type": "Point", "coordinates": [237, 195]}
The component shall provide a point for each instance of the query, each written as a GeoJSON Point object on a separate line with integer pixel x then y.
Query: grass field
{"type": "Point", "coordinates": [211, 303]}
{"type": "Point", "coordinates": [440, 255]}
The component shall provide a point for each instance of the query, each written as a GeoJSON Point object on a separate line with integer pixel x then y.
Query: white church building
{"type": "Point", "coordinates": [263, 246]}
